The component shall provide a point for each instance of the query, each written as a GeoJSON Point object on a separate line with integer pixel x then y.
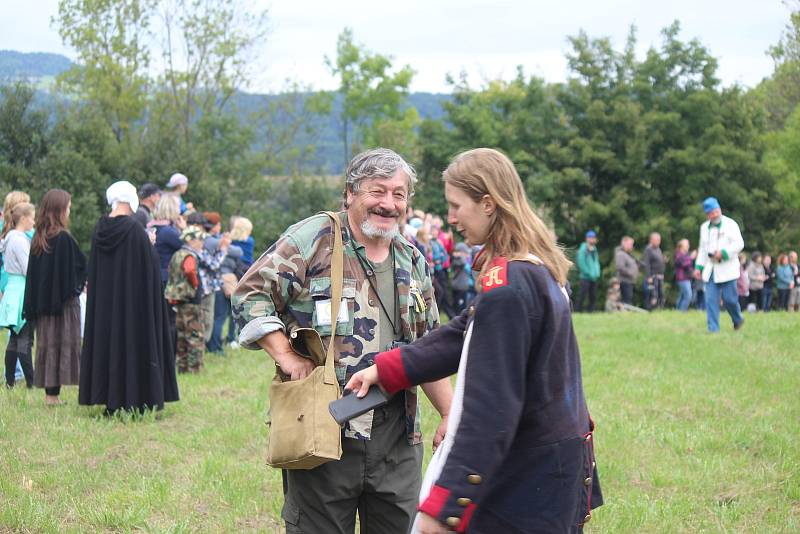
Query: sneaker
{"type": "Point", "coordinates": [739, 325]}
{"type": "Point", "coordinates": [234, 345]}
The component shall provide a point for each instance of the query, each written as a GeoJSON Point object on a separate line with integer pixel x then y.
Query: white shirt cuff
{"type": "Point", "coordinates": [258, 328]}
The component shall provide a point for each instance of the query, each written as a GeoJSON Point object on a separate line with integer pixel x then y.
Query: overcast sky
{"type": "Point", "coordinates": [486, 38]}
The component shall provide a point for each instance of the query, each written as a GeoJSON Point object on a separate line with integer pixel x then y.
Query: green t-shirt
{"type": "Point", "coordinates": [384, 276]}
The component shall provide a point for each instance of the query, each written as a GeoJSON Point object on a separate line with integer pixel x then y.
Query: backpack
{"type": "Point", "coordinates": [241, 268]}
{"type": "Point", "coordinates": [179, 289]}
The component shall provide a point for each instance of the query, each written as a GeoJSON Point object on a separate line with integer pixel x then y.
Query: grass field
{"type": "Point", "coordinates": [696, 433]}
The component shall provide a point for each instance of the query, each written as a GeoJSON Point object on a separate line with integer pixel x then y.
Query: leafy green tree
{"type": "Point", "coordinates": [624, 146]}
{"type": "Point", "coordinates": [373, 96]}
{"type": "Point", "coordinates": [110, 38]}
{"type": "Point", "coordinates": [206, 49]}
{"type": "Point", "coordinates": [23, 129]}
{"type": "Point", "coordinates": [36, 156]}
{"type": "Point", "coordinates": [780, 93]}
{"type": "Point", "coordinates": [289, 124]}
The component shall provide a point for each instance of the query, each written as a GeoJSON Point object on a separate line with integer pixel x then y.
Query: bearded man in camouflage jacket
{"type": "Point", "coordinates": [388, 298]}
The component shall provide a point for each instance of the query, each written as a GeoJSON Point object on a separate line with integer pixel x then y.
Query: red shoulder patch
{"type": "Point", "coordinates": [496, 274]}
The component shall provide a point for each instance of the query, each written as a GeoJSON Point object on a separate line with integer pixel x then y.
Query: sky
{"type": "Point", "coordinates": [487, 39]}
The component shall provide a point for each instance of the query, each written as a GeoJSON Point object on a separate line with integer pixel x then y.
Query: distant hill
{"type": "Point", "coordinates": [328, 157]}
{"type": "Point", "coordinates": [19, 65]}
{"type": "Point", "coordinates": [40, 69]}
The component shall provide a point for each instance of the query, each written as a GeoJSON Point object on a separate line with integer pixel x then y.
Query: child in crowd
{"type": "Point", "coordinates": [12, 199]}
{"type": "Point", "coordinates": [614, 299]}
{"type": "Point", "coordinates": [16, 247]}
{"type": "Point", "coordinates": [184, 291]}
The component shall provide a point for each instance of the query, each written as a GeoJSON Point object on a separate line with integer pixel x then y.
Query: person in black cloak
{"type": "Point", "coordinates": [127, 360]}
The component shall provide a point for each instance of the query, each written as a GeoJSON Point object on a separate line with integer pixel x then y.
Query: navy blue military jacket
{"type": "Point", "coordinates": [522, 459]}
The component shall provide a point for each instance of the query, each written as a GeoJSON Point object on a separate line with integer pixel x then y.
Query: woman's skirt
{"type": "Point", "coordinates": [58, 347]}
{"type": "Point", "coordinates": [11, 304]}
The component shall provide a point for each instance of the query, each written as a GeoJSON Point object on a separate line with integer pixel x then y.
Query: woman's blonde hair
{"type": "Point", "coordinates": [515, 231]}
{"type": "Point", "coordinates": [12, 199]}
{"type": "Point", "coordinates": [242, 228]}
{"type": "Point", "coordinates": [167, 208]}
{"type": "Point", "coordinates": [12, 218]}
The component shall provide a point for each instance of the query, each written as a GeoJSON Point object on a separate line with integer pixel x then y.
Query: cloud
{"type": "Point", "coordinates": [487, 39]}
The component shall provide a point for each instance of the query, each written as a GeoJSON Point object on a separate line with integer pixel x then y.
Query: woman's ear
{"type": "Point", "coordinates": [488, 205]}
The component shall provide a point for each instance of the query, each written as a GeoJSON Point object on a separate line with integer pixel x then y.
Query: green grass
{"type": "Point", "coordinates": [695, 433]}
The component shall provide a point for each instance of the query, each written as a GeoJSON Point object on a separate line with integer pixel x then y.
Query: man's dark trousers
{"type": "Point", "coordinates": [379, 478]}
{"type": "Point", "coordinates": [626, 288]}
{"type": "Point", "coordinates": [586, 288]}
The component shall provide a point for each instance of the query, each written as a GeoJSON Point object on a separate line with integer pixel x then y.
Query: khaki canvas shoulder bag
{"type": "Point", "coordinates": [303, 434]}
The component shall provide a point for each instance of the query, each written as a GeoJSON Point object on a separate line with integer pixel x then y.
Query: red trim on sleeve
{"type": "Point", "coordinates": [496, 275]}
{"type": "Point", "coordinates": [435, 502]}
{"type": "Point", "coordinates": [462, 527]}
{"type": "Point", "coordinates": [391, 372]}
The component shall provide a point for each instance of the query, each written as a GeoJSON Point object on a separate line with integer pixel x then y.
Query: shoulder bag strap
{"type": "Point", "coordinates": [337, 273]}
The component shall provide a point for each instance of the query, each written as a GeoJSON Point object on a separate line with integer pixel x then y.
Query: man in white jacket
{"type": "Point", "coordinates": [718, 264]}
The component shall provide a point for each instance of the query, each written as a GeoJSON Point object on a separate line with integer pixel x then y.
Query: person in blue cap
{"type": "Point", "coordinates": [588, 263]}
{"type": "Point", "coordinates": [717, 264]}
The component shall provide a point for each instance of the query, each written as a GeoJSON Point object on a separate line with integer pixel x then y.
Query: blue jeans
{"type": "Point", "coordinates": [766, 299]}
{"type": "Point", "coordinates": [685, 297]}
{"type": "Point", "coordinates": [222, 308]}
{"type": "Point", "coordinates": [726, 290]}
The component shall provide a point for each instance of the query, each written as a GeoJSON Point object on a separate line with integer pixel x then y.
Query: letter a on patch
{"type": "Point", "coordinates": [496, 274]}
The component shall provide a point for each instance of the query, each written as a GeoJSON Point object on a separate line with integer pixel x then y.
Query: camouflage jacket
{"type": "Point", "coordinates": [178, 288]}
{"type": "Point", "coordinates": [280, 289]}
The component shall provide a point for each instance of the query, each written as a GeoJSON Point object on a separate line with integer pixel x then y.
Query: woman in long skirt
{"type": "Point", "coordinates": [56, 276]}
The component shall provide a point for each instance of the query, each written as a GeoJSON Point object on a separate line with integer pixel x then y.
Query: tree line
{"type": "Point", "coordinates": [626, 145]}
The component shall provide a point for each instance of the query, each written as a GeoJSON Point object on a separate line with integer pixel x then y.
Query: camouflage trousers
{"type": "Point", "coordinates": [191, 337]}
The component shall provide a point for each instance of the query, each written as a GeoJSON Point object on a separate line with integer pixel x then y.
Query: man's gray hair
{"type": "Point", "coordinates": [377, 163]}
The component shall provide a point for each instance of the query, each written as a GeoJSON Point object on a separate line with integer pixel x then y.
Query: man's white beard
{"type": "Point", "coordinates": [374, 232]}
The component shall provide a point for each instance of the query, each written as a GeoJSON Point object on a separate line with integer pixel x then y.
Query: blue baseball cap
{"type": "Point", "coordinates": [591, 233]}
{"type": "Point", "coordinates": [710, 204]}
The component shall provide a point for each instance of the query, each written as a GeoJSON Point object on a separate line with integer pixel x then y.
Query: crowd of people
{"type": "Point", "coordinates": [155, 289]}
{"type": "Point", "coordinates": [450, 262]}
{"type": "Point", "coordinates": [761, 285]}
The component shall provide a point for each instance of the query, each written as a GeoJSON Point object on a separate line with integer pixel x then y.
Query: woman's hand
{"type": "Point", "coordinates": [360, 382]}
{"type": "Point", "coordinates": [429, 525]}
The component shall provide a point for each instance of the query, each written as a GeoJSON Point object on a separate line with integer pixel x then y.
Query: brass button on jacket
{"type": "Point", "coordinates": [453, 521]}
{"type": "Point", "coordinates": [588, 481]}
{"type": "Point", "coordinates": [463, 501]}
{"type": "Point", "coordinates": [474, 479]}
